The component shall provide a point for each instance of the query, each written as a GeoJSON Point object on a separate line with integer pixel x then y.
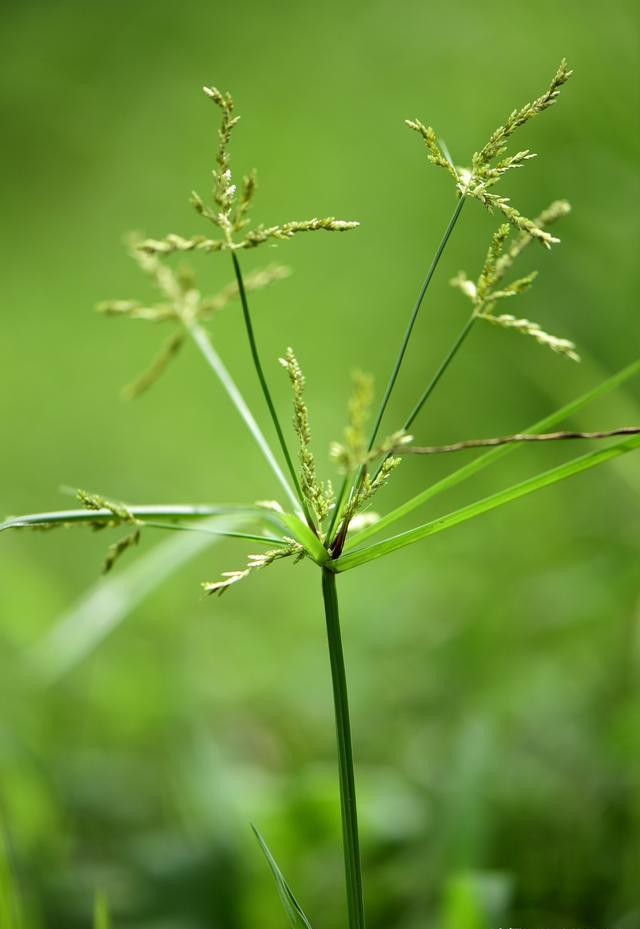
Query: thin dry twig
{"type": "Point", "coordinates": [516, 437]}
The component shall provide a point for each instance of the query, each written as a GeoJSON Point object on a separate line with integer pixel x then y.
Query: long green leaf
{"type": "Point", "coordinates": [482, 461]}
{"type": "Point", "coordinates": [202, 340]}
{"type": "Point", "coordinates": [292, 908]}
{"type": "Point", "coordinates": [11, 916]}
{"type": "Point", "coordinates": [370, 552]}
{"type": "Point", "coordinates": [178, 512]}
{"type": "Point", "coordinates": [305, 536]}
{"type": "Point", "coordinates": [101, 918]}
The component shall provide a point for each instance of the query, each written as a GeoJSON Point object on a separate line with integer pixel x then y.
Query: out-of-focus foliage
{"type": "Point", "coordinates": [494, 668]}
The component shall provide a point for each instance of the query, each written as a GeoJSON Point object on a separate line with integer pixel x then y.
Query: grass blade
{"type": "Point", "coordinates": [214, 361]}
{"type": "Point", "coordinates": [11, 916]}
{"type": "Point", "coordinates": [178, 512]}
{"type": "Point", "coordinates": [482, 461]}
{"type": "Point", "coordinates": [297, 919]}
{"type": "Point", "coordinates": [101, 918]}
{"type": "Point", "coordinates": [363, 555]}
{"type": "Point", "coordinates": [305, 536]}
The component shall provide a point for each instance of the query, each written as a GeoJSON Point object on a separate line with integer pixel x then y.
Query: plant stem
{"type": "Point", "coordinates": [412, 319]}
{"type": "Point", "coordinates": [435, 379]}
{"type": "Point", "coordinates": [396, 368]}
{"type": "Point", "coordinates": [265, 387]}
{"type": "Point", "coordinates": [443, 367]}
{"type": "Point", "coordinates": [351, 847]}
{"type": "Point", "coordinates": [201, 339]}
{"type": "Point", "coordinates": [337, 512]}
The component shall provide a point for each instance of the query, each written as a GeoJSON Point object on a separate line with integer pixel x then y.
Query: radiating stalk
{"type": "Point", "coordinates": [436, 377]}
{"type": "Point", "coordinates": [351, 847]}
{"type": "Point", "coordinates": [363, 555]}
{"type": "Point", "coordinates": [339, 505]}
{"type": "Point", "coordinates": [412, 319]}
{"type": "Point", "coordinates": [214, 361]}
{"type": "Point", "coordinates": [265, 387]}
{"type": "Point", "coordinates": [398, 363]}
{"type": "Point", "coordinates": [443, 367]}
{"type": "Point", "coordinates": [471, 468]}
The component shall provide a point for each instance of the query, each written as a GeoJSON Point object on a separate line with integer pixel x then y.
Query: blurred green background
{"type": "Point", "coordinates": [494, 668]}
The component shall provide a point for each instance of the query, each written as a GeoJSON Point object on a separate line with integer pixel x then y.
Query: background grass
{"type": "Point", "coordinates": [493, 668]}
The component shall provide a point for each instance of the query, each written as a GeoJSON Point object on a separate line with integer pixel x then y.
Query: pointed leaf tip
{"type": "Point", "coordinates": [294, 911]}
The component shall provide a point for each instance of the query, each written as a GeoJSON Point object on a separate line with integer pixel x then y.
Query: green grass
{"type": "Point", "coordinates": [144, 705]}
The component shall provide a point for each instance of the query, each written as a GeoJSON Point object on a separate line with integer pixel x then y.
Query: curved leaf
{"type": "Point", "coordinates": [363, 555]}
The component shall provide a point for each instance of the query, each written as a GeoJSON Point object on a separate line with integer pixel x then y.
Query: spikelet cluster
{"type": "Point", "coordinates": [318, 496]}
{"type": "Point", "coordinates": [527, 327]}
{"type": "Point", "coordinates": [230, 213]}
{"type": "Point", "coordinates": [181, 304]}
{"type": "Point", "coordinates": [254, 563]}
{"type": "Point", "coordinates": [353, 452]}
{"type": "Point", "coordinates": [121, 515]}
{"type": "Point", "coordinates": [488, 166]}
{"type": "Point", "coordinates": [369, 487]}
{"type": "Point", "coordinates": [489, 290]}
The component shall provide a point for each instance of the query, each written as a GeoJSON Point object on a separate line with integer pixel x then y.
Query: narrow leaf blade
{"type": "Point", "coordinates": [10, 910]}
{"type": "Point", "coordinates": [482, 461]}
{"type": "Point", "coordinates": [101, 918]}
{"type": "Point", "coordinates": [178, 512]}
{"type": "Point", "coordinates": [297, 919]}
{"type": "Point", "coordinates": [305, 536]}
{"type": "Point", "coordinates": [575, 466]}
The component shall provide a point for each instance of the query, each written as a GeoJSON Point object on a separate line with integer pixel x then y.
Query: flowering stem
{"type": "Point", "coordinates": [351, 847]}
{"type": "Point", "coordinates": [265, 387]}
{"type": "Point", "coordinates": [396, 370]}
{"type": "Point", "coordinates": [412, 319]}
{"type": "Point", "coordinates": [436, 377]}
{"type": "Point", "coordinates": [443, 367]}
{"type": "Point", "coordinates": [339, 504]}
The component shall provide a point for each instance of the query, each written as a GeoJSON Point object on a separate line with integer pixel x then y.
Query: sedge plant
{"type": "Point", "coordinates": [333, 528]}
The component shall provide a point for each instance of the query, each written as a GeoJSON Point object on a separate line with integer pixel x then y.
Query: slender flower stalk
{"type": "Point", "coordinates": [265, 387]}
{"type": "Point", "coordinates": [412, 319]}
{"type": "Point", "coordinates": [433, 383]}
{"type": "Point", "coordinates": [338, 512]}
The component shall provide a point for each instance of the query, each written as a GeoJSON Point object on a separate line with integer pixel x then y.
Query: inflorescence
{"type": "Point", "coordinates": [365, 465]}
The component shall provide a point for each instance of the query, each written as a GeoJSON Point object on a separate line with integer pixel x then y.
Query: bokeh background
{"type": "Point", "coordinates": [493, 668]}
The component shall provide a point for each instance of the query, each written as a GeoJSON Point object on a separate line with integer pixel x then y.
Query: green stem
{"type": "Point", "coordinates": [443, 367]}
{"type": "Point", "coordinates": [398, 363]}
{"type": "Point", "coordinates": [337, 512]}
{"type": "Point", "coordinates": [412, 319]}
{"type": "Point", "coordinates": [436, 377]}
{"type": "Point", "coordinates": [351, 848]}
{"type": "Point", "coordinates": [265, 387]}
